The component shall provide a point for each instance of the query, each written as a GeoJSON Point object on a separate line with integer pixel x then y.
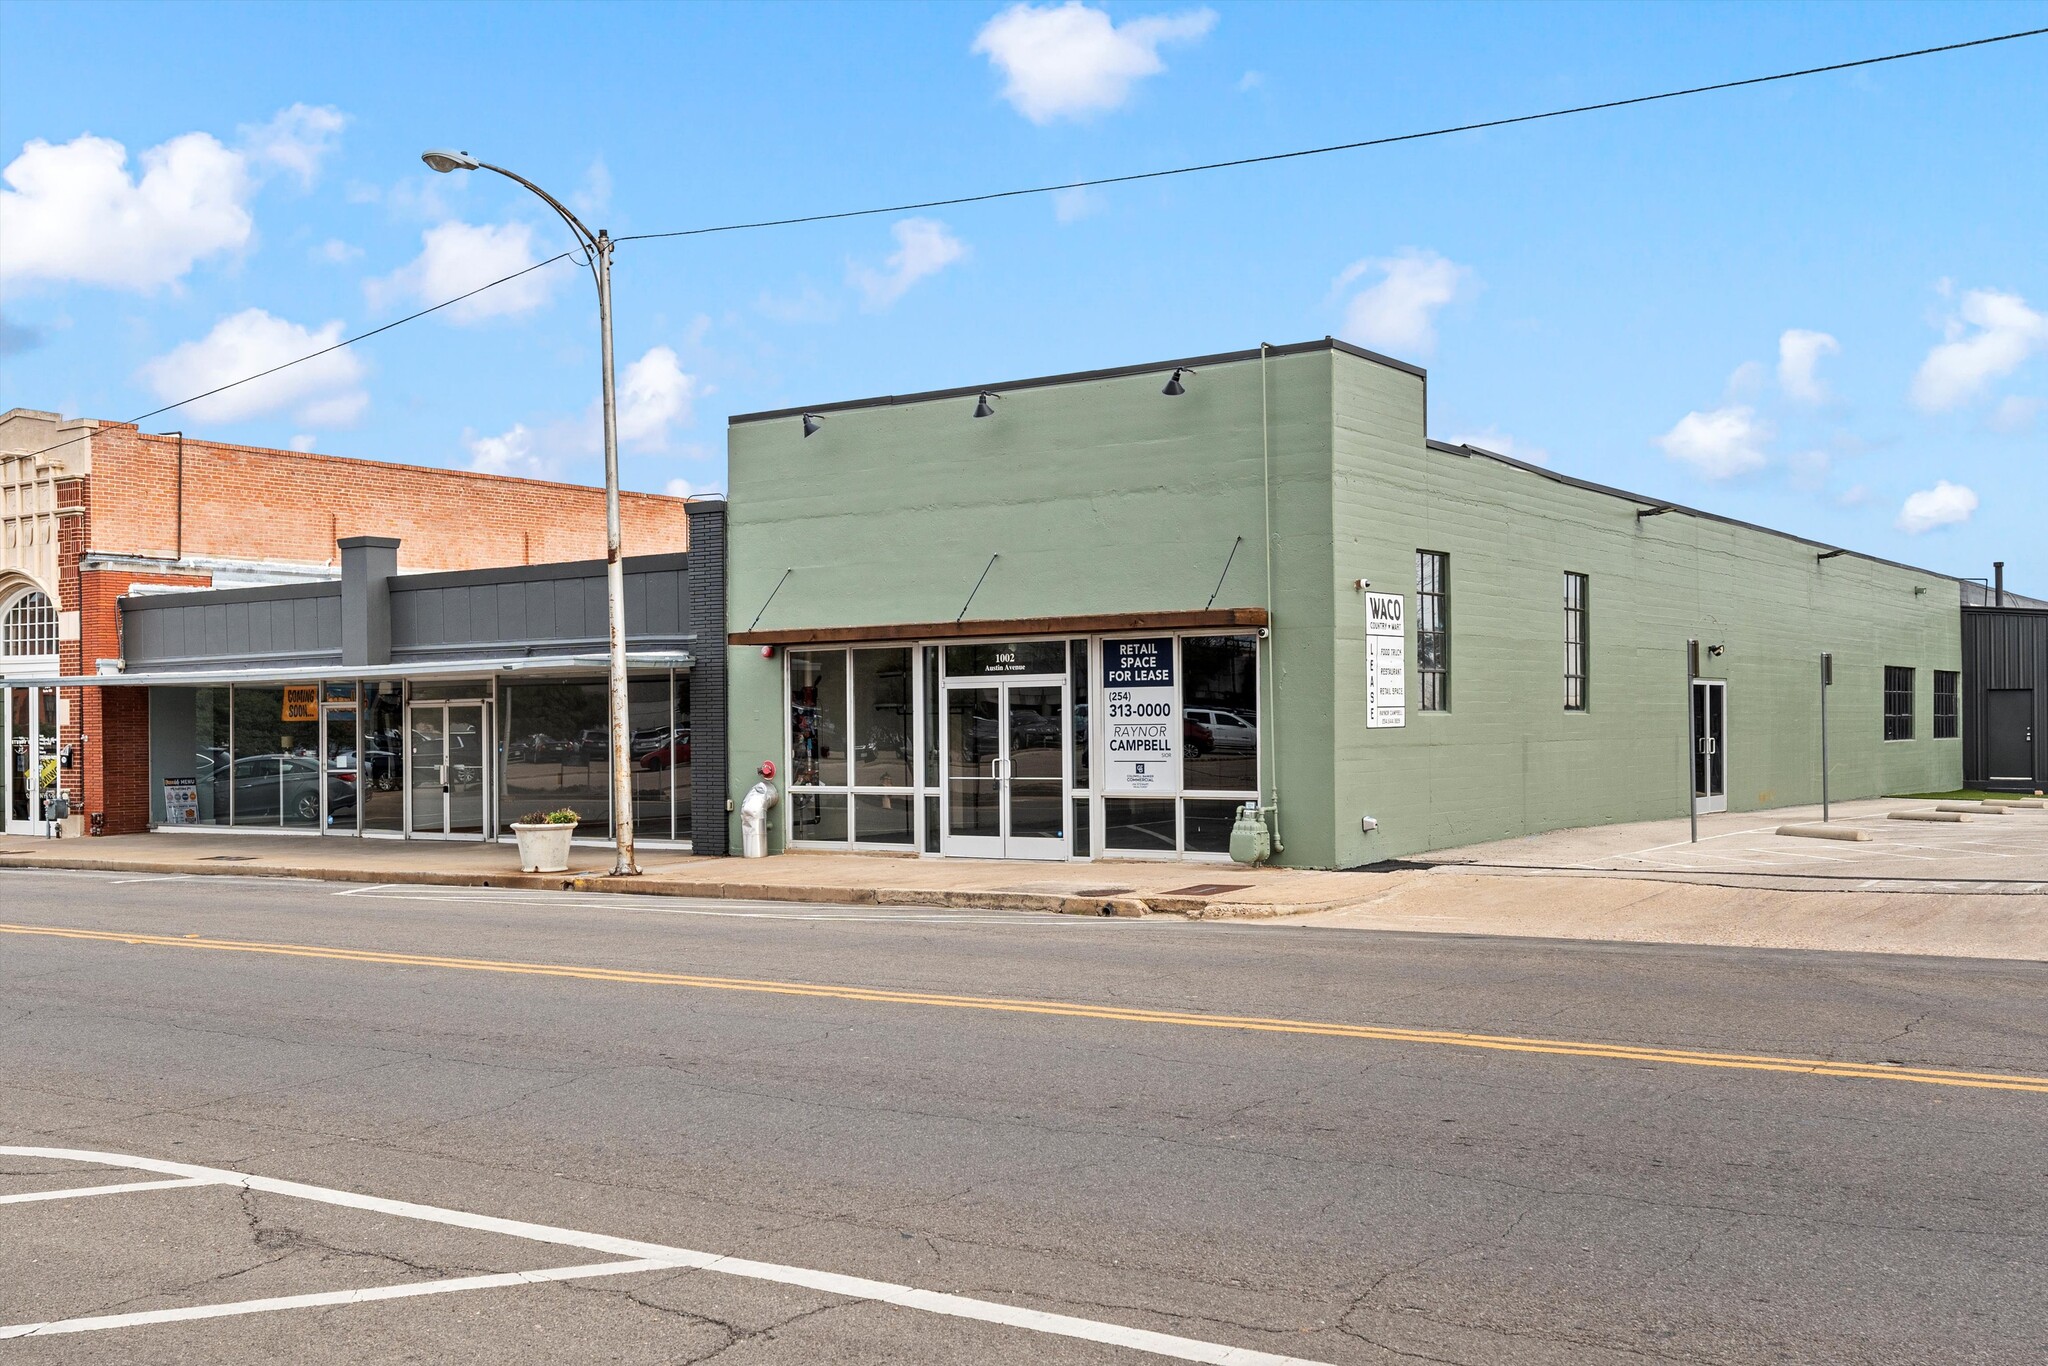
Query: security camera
{"type": "Point", "coordinates": [1361, 584]}
{"type": "Point", "coordinates": [1265, 631]}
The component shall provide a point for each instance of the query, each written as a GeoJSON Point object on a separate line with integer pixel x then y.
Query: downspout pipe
{"type": "Point", "coordinates": [1272, 651]}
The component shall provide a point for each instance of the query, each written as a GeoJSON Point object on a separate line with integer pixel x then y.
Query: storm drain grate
{"type": "Point", "coordinates": [1209, 889]}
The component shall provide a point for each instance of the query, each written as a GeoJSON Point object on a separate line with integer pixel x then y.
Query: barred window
{"type": "Point", "coordinates": [1433, 628]}
{"type": "Point", "coordinates": [1898, 703]}
{"type": "Point", "coordinates": [1577, 655]}
{"type": "Point", "coordinates": [1945, 709]}
{"type": "Point", "coordinates": [30, 626]}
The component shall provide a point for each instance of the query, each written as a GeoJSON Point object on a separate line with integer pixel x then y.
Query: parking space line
{"type": "Point", "coordinates": [326, 1298]}
{"type": "Point", "coordinates": [642, 1256]}
{"type": "Point", "coordinates": [81, 1192]}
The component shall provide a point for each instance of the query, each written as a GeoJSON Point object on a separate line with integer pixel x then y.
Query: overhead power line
{"type": "Point", "coordinates": [1135, 176]}
{"type": "Point", "coordinates": [325, 350]}
{"type": "Point", "coordinates": [1337, 147]}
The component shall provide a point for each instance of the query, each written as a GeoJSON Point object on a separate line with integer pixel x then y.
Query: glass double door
{"type": "Point", "coordinates": [28, 727]}
{"type": "Point", "coordinates": [1709, 745]}
{"type": "Point", "coordinates": [1006, 776]}
{"type": "Point", "coordinates": [447, 770]}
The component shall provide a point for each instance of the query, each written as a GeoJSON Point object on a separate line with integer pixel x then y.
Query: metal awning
{"type": "Point", "coordinates": [343, 673]}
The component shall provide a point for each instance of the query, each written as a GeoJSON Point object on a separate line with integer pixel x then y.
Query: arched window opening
{"type": "Point", "coordinates": [29, 628]}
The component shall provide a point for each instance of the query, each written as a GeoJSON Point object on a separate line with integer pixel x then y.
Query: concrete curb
{"type": "Point", "coordinates": [1126, 907]}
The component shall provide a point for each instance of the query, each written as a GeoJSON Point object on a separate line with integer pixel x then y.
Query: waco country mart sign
{"type": "Point", "coordinates": [1140, 724]}
{"type": "Point", "coordinates": [1386, 660]}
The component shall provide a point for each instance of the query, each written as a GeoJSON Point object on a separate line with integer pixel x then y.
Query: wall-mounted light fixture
{"type": "Point", "coordinates": [812, 423]}
{"type": "Point", "coordinates": [1174, 388]}
{"type": "Point", "coordinates": [981, 408]}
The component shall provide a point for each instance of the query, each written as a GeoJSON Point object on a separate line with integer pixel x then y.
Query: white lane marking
{"type": "Point", "coordinates": [331, 1297]}
{"type": "Point", "coordinates": [80, 1192]}
{"type": "Point", "coordinates": [664, 1256]}
{"type": "Point", "coordinates": [173, 877]}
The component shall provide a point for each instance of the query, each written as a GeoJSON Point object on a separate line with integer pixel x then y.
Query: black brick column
{"type": "Point", "coordinates": [710, 778]}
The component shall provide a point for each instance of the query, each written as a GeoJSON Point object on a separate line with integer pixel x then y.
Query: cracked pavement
{"type": "Point", "coordinates": [1335, 1199]}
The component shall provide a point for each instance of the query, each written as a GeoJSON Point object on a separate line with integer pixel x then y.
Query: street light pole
{"type": "Point", "coordinates": [598, 247]}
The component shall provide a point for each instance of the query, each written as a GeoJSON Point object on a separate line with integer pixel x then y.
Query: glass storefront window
{"type": "Point", "coordinates": [817, 720]}
{"type": "Point", "coordinates": [884, 818]}
{"type": "Point", "coordinates": [275, 768]}
{"type": "Point", "coordinates": [1138, 825]}
{"type": "Point", "coordinates": [882, 719]}
{"type": "Point", "coordinates": [380, 768]}
{"type": "Point", "coordinates": [819, 816]}
{"type": "Point", "coordinates": [1220, 713]}
{"type": "Point", "coordinates": [557, 753]}
{"type": "Point", "coordinates": [1077, 702]}
{"type": "Point", "coordinates": [1207, 824]}
{"type": "Point", "coordinates": [651, 749]}
{"type": "Point", "coordinates": [212, 755]}
{"type": "Point", "coordinates": [931, 717]}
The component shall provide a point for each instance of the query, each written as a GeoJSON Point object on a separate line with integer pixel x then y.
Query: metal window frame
{"type": "Point", "coordinates": [1948, 687]}
{"type": "Point", "coordinates": [1578, 643]}
{"type": "Point", "coordinates": [1898, 720]}
{"type": "Point", "coordinates": [1434, 692]}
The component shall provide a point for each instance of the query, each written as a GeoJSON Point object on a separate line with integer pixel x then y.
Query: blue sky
{"type": "Point", "coordinates": [1820, 305]}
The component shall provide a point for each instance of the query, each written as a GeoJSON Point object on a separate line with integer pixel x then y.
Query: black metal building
{"type": "Point", "coordinates": [2005, 698]}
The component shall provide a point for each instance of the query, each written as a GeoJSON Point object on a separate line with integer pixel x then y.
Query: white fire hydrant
{"type": "Point", "coordinates": [754, 819]}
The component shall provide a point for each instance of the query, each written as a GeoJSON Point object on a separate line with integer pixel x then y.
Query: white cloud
{"type": "Point", "coordinates": [458, 257]}
{"type": "Point", "coordinates": [74, 212]}
{"type": "Point", "coordinates": [654, 395]}
{"type": "Point", "coordinates": [1799, 352]}
{"type": "Point", "coordinates": [594, 196]}
{"type": "Point", "coordinates": [335, 252]}
{"type": "Point", "coordinates": [296, 139]}
{"type": "Point", "coordinates": [2005, 333]}
{"type": "Point", "coordinates": [1718, 444]}
{"type": "Point", "coordinates": [325, 392]}
{"type": "Point", "coordinates": [1398, 312]}
{"type": "Point", "coordinates": [1070, 61]}
{"type": "Point", "coordinates": [1942, 505]}
{"type": "Point", "coordinates": [683, 488]}
{"type": "Point", "coordinates": [2014, 413]}
{"type": "Point", "coordinates": [1809, 469]}
{"type": "Point", "coordinates": [924, 247]}
{"type": "Point", "coordinates": [1072, 205]}
{"type": "Point", "coordinates": [511, 452]}
{"type": "Point", "coordinates": [1251, 80]}
{"type": "Point", "coordinates": [806, 305]}
{"type": "Point", "coordinates": [304, 441]}
{"type": "Point", "coordinates": [1500, 443]}
{"type": "Point", "coordinates": [1856, 495]}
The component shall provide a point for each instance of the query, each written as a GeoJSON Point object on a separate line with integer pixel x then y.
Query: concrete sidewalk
{"type": "Point", "coordinates": [1977, 889]}
{"type": "Point", "coordinates": [1199, 891]}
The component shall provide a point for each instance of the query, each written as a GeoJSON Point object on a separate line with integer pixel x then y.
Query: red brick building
{"type": "Point", "coordinates": [91, 511]}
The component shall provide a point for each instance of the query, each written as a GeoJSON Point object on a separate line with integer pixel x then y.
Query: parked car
{"type": "Point", "coordinates": [1228, 731]}
{"type": "Point", "coordinates": [274, 788]}
{"type": "Point", "coordinates": [677, 750]}
{"type": "Point", "coordinates": [1195, 738]}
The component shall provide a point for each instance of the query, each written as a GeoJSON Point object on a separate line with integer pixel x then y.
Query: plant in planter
{"type": "Point", "coordinates": [544, 840]}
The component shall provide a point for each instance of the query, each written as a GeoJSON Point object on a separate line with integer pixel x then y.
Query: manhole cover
{"type": "Point", "coordinates": [229, 858]}
{"type": "Point", "coordinates": [1209, 889]}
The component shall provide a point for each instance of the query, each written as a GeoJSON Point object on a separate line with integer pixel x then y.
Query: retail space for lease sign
{"type": "Point", "coordinates": [1141, 729]}
{"type": "Point", "coordinates": [1386, 660]}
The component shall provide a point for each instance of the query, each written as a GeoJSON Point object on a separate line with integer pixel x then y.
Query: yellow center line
{"type": "Point", "coordinates": [1687, 1057]}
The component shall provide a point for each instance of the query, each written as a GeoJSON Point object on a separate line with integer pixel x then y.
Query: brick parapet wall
{"type": "Point", "coordinates": [258, 503]}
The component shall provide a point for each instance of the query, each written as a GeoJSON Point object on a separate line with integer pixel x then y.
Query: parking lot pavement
{"type": "Point", "coordinates": [1985, 853]}
{"type": "Point", "coordinates": [160, 1256]}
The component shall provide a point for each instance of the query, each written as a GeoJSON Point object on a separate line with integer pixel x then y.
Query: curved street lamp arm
{"type": "Point", "coordinates": [585, 238]}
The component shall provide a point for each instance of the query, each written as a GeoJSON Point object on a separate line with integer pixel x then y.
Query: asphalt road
{"type": "Point", "coordinates": [1038, 1115]}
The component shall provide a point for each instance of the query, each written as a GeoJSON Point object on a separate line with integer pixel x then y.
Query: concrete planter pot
{"type": "Point", "coordinates": [543, 848]}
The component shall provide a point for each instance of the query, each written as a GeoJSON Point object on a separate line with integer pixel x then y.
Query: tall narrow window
{"type": "Point", "coordinates": [1433, 628]}
{"type": "Point", "coordinates": [1577, 654]}
{"type": "Point", "coordinates": [1898, 703]}
{"type": "Point", "coordinates": [1945, 711]}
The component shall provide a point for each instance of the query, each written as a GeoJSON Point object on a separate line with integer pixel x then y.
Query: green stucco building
{"type": "Point", "coordinates": [1099, 619]}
